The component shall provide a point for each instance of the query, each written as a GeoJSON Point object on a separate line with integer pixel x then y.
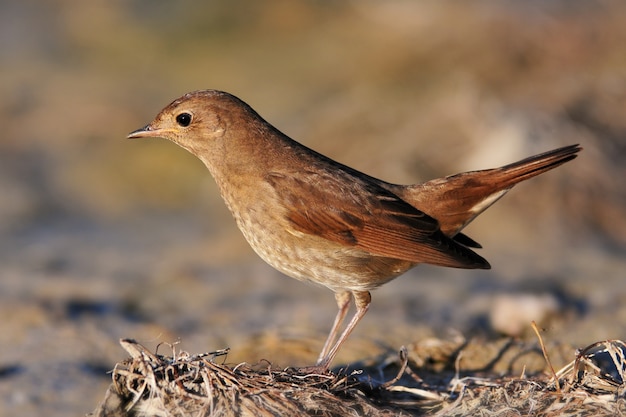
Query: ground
{"type": "Point", "coordinates": [106, 239]}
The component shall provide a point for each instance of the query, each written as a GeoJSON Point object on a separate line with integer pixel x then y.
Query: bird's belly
{"type": "Point", "coordinates": [318, 260]}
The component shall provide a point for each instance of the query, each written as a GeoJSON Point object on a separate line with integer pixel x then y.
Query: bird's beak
{"type": "Point", "coordinates": [145, 132]}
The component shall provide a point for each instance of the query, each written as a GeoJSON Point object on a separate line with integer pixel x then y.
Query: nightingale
{"type": "Point", "coordinates": [317, 220]}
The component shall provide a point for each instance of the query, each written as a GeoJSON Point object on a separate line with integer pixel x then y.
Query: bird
{"type": "Point", "coordinates": [320, 221]}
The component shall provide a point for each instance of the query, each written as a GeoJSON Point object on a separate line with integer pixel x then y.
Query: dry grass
{"type": "Point", "coordinates": [150, 384]}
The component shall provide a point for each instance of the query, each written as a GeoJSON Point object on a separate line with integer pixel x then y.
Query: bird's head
{"type": "Point", "coordinates": [198, 120]}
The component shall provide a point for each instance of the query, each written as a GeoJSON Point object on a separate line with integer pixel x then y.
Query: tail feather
{"type": "Point", "coordinates": [532, 166]}
{"type": "Point", "coordinates": [468, 194]}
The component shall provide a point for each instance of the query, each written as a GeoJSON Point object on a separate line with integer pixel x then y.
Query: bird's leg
{"type": "Point", "coordinates": [343, 302]}
{"type": "Point", "coordinates": [362, 300]}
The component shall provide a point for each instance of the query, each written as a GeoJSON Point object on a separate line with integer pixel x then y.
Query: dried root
{"type": "Point", "coordinates": [149, 384]}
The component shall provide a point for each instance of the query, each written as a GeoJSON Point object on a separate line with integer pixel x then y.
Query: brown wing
{"type": "Point", "coordinates": [355, 212]}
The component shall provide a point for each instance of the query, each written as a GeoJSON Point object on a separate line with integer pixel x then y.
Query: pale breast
{"type": "Point", "coordinates": [315, 259]}
{"type": "Point", "coordinates": [305, 257]}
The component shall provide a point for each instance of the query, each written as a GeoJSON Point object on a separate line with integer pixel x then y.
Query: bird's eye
{"type": "Point", "coordinates": [183, 119]}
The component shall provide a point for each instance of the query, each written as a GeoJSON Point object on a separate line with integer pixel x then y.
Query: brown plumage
{"type": "Point", "coordinates": [317, 220]}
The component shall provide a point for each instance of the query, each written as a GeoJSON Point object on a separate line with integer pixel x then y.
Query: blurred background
{"type": "Point", "coordinates": [104, 238]}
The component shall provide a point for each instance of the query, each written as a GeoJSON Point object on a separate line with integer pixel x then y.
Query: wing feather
{"type": "Point", "coordinates": [354, 212]}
